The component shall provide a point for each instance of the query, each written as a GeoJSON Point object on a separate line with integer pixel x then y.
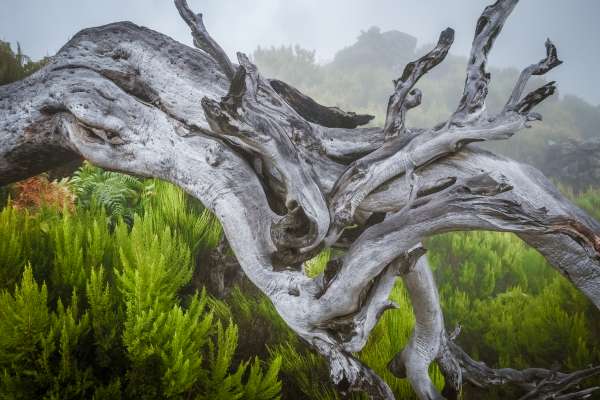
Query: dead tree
{"type": "Point", "coordinates": [287, 176]}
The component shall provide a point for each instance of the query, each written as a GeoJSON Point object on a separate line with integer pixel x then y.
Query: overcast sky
{"type": "Point", "coordinates": [43, 26]}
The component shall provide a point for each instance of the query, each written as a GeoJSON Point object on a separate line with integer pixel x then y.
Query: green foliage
{"type": "Point", "coordinates": [218, 384]}
{"type": "Point", "coordinates": [288, 61]}
{"type": "Point", "coordinates": [522, 330]}
{"type": "Point", "coordinates": [306, 372]}
{"type": "Point", "coordinates": [97, 303]}
{"type": "Point", "coordinates": [590, 202]}
{"type": "Point", "coordinates": [317, 264]}
{"type": "Point", "coordinates": [14, 249]}
{"type": "Point", "coordinates": [124, 196]}
{"type": "Point", "coordinates": [107, 311]}
{"type": "Point", "coordinates": [263, 385]}
{"type": "Point", "coordinates": [515, 310]}
{"type": "Point", "coordinates": [119, 194]}
{"type": "Point", "coordinates": [104, 316]}
{"type": "Point", "coordinates": [484, 264]}
{"type": "Point", "coordinates": [38, 347]}
{"type": "Point", "coordinates": [155, 265]}
{"type": "Point", "coordinates": [25, 320]}
{"type": "Point", "coordinates": [184, 215]}
{"type": "Point", "coordinates": [78, 243]}
{"type": "Point", "coordinates": [253, 312]}
{"type": "Point", "coordinates": [15, 66]}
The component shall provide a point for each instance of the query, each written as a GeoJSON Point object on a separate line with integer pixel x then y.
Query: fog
{"type": "Point", "coordinates": [43, 26]}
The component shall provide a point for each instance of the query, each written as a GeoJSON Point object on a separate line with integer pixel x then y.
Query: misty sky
{"type": "Point", "coordinates": [43, 26]}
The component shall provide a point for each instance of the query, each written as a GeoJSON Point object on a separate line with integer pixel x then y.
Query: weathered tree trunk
{"type": "Point", "coordinates": [286, 177]}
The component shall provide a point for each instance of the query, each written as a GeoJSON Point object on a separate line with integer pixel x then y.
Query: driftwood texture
{"type": "Point", "coordinates": [287, 177]}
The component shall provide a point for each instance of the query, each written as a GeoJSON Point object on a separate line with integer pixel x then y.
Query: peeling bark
{"type": "Point", "coordinates": [288, 177]}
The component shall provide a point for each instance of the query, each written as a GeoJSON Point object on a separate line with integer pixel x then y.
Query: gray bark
{"type": "Point", "coordinates": [287, 177]}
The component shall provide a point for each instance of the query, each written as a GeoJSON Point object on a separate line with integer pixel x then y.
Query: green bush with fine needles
{"type": "Point", "coordinates": [93, 307]}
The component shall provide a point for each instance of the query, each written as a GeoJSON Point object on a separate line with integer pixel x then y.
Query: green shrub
{"type": "Point", "coordinates": [15, 66]}
{"type": "Point", "coordinates": [120, 195]}
{"type": "Point", "coordinates": [590, 202]}
{"type": "Point", "coordinates": [514, 308]}
{"type": "Point", "coordinates": [184, 215]}
{"type": "Point", "coordinates": [105, 317]}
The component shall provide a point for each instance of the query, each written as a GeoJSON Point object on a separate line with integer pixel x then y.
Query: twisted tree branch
{"type": "Point", "coordinates": [202, 38]}
{"type": "Point", "coordinates": [550, 62]}
{"type": "Point", "coordinates": [471, 107]}
{"type": "Point", "coordinates": [404, 97]}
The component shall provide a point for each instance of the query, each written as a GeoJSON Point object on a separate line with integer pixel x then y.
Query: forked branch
{"type": "Point", "coordinates": [471, 107]}
{"type": "Point", "coordinates": [551, 61]}
{"type": "Point", "coordinates": [405, 97]}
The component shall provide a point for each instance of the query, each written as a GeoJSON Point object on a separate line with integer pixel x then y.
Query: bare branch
{"type": "Point", "coordinates": [472, 104]}
{"type": "Point", "coordinates": [202, 38]}
{"type": "Point", "coordinates": [355, 328]}
{"type": "Point", "coordinates": [534, 98]}
{"type": "Point", "coordinates": [424, 344]}
{"type": "Point", "coordinates": [312, 111]}
{"type": "Point", "coordinates": [404, 97]}
{"type": "Point", "coordinates": [575, 259]}
{"type": "Point", "coordinates": [350, 375]}
{"type": "Point", "coordinates": [429, 341]}
{"type": "Point", "coordinates": [364, 176]}
{"type": "Point", "coordinates": [551, 61]}
{"type": "Point", "coordinates": [539, 383]}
